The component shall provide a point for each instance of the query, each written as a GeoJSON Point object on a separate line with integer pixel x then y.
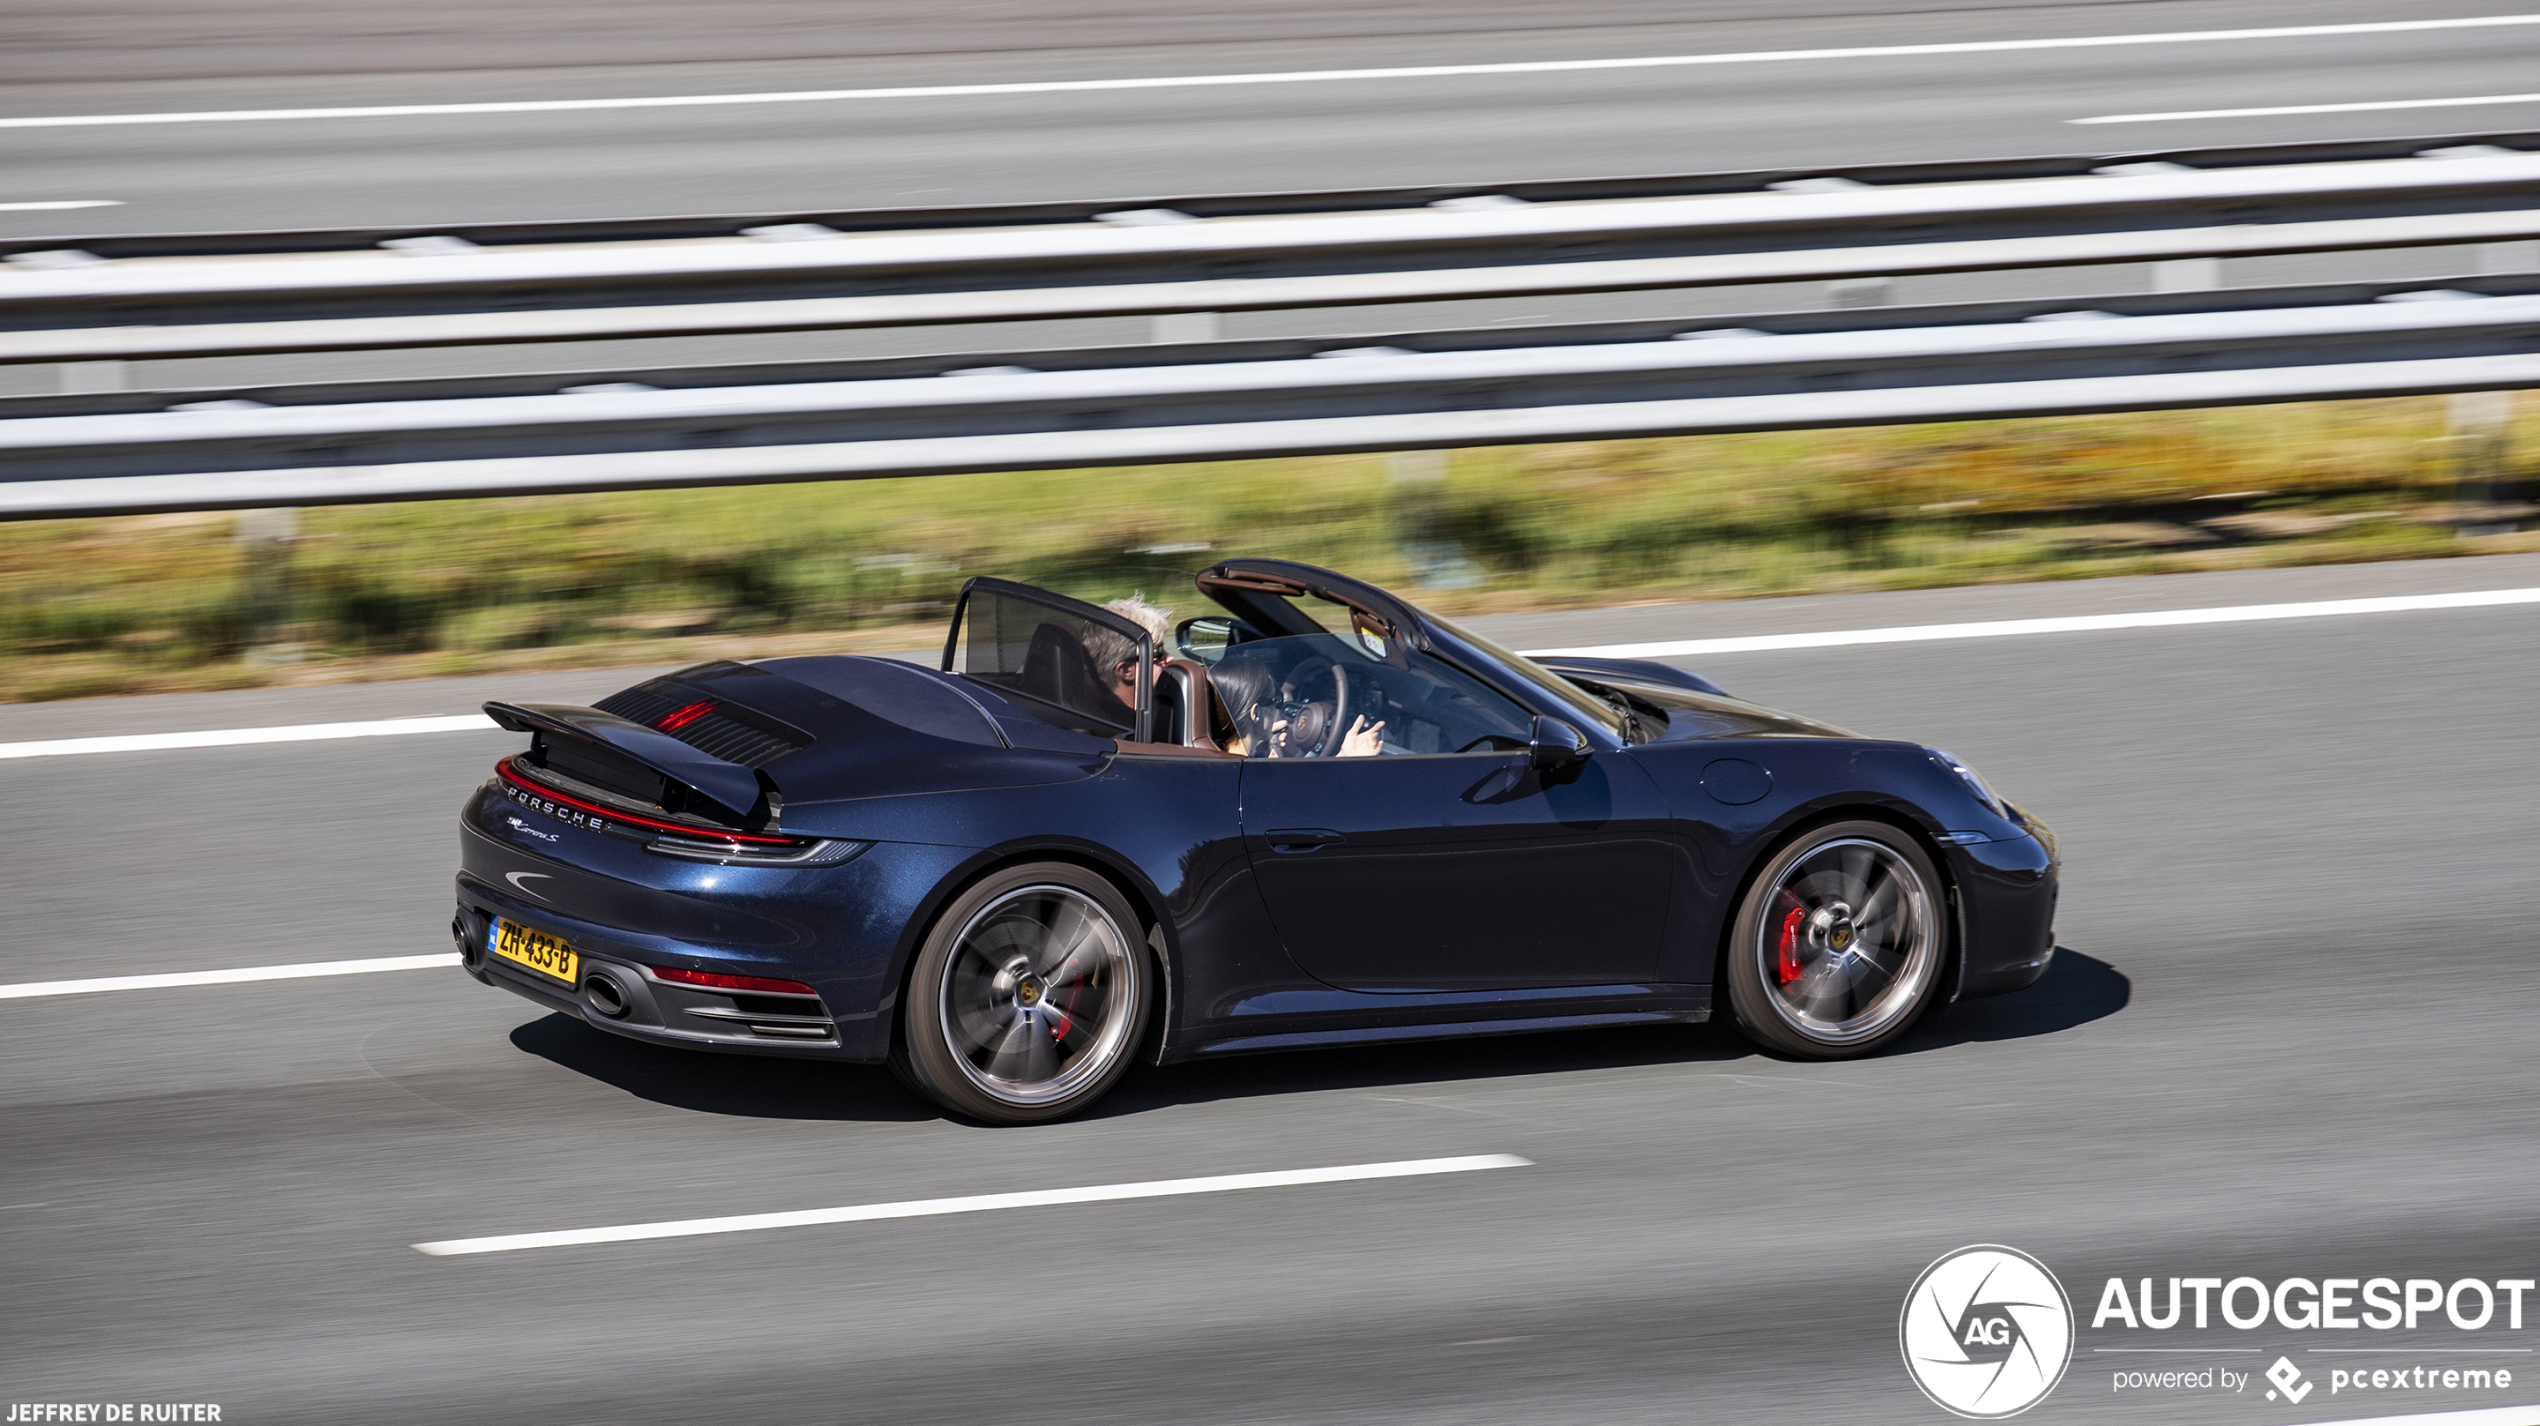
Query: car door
{"type": "Point", "coordinates": [1468, 870]}
{"type": "Point", "coordinates": [1460, 871]}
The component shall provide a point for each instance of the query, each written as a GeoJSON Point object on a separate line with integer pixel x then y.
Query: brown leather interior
{"type": "Point", "coordinates": [1208, 732]}
{"type": "Point", "coordinates": [1205, 724]}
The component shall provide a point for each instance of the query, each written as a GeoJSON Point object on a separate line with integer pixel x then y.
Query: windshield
{"type": "Point", "coordinates": [1604, 714]}
{"type": "Point", "coordinates": [1304, 695]}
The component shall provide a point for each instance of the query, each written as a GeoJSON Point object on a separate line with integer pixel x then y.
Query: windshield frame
{"type": "Point", "coordinates": [1602, 716]}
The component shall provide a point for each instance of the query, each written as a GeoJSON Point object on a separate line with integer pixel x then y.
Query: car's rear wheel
{"type": "Point", "coordinates": [1838, 945]}
{"type": "Point", "coordinates": [1028, 998]}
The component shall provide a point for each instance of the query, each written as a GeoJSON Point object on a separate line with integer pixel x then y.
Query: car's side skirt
{"type": "Point", "coordinates": [1381, 1034]}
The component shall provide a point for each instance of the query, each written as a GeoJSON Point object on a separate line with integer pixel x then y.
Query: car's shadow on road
{"type": "Point", "coordinates": [749, 1086]}
{"type": "Point", "coordinates": [1430, 1062]}
{"type": "Point", "coordinates": [2076, 990]}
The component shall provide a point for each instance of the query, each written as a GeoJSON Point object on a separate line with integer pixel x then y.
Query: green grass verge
{"type": "Point", "coordinates": [158, 603]}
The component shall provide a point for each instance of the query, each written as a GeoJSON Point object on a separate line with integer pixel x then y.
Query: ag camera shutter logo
{"type": "Point", "coordinates": [1987, 1332]}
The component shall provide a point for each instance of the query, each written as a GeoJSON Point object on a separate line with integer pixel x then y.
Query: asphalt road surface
{"type": "Point", "coordinates": [153, 56]}
{"type": "Point", "coordinates": [2287, 1036]}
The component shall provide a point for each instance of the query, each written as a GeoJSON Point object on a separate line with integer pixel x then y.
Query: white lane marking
{"type": "Point", "coordinates": [2485, 1416]}
{"type": "Point", "coordinates": [1309, 76]}
{"type": "Point", "coordinates": [978, 1203]}
{"type": "Point", "coordinates": [2473, 101]}
{"type": "Point", "coordinates": [27, 990]}
{"type": "Point", "coordinates": [240, 737]}
{"type": "Point", "coordinates": [2076, 624]}
{"type": "Point", "coordinates": [60, 204]}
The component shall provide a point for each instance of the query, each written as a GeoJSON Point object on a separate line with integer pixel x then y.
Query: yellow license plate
{"type": "Point", "coordinates": [545, 954]}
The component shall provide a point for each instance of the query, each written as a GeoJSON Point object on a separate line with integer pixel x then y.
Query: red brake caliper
{"type": "Point", "coordinates": [1786, 965]}
{"type": "Point", "coordinates": [1065, 1021]}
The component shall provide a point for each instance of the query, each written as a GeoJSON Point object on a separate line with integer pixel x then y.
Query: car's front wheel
{"type": "Point", "coordinates": [1838, 945]}
{"type": "Point", "coordinates": [1028, 997]}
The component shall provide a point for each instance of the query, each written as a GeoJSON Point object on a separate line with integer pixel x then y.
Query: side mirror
{"type": "Point", "coordinates": [1204, 640]}
{"type": "Point", "coordinates": [1555, 746]}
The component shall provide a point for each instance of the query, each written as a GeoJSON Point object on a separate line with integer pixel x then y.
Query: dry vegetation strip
{"type": "Point", "coordinates": [177, 602]}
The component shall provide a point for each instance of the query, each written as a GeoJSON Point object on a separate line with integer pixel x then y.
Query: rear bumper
{"type": "Point", "coordinates": [842, 930]}
{"type": "Point", "coordinates": [615, 992]}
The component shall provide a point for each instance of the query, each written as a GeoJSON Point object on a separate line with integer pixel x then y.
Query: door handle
{"type": "Point", "coordinates": [1302, 839]}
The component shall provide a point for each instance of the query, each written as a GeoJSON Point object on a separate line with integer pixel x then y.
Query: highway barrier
{"type": "Point", "coordinates": [599, 430]}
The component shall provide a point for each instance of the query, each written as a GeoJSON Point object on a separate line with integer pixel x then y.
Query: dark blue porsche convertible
{"type": "Point", "coordinates": [1323, 816]}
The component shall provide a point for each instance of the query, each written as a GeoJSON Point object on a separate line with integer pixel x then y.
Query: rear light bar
{"type": "Point", "coordinates": [714, 980]}
{"type": "Point", "coordinates": [686, 716]}
{"type": "Point", "coordinates": [652, 824]}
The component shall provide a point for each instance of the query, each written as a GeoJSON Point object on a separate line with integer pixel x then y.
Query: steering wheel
{"type": "Point", "coordinates": [1327, 741]}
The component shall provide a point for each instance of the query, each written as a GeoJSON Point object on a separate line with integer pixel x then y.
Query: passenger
{"type": "Point", "coordinates": [1264, 722]}
{"type": "Point", "coordinates": [1115, 655]}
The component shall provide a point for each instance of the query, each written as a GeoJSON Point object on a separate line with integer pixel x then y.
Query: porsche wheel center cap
{"type": "Point", "coordinates": [1028, 990]}
{"type": "Point", "coordinates": [1834, 928]}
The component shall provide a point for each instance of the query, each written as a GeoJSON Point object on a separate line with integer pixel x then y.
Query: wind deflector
{"type": "Point", "coordinates": [1054, 655]}
{"type": "Point", "coordinates": [740, 792]}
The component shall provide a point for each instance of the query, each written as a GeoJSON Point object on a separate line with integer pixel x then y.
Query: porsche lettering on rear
{"type": "Point", "coordinates": [568, 815]}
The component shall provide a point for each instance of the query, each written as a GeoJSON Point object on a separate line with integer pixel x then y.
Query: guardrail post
{"type": "Point", "coordinates": [1436, 561]}
{"type": "Point", "coordinates": [264, 546]}
{"type": "Point", "coordinates": [2479, 422]}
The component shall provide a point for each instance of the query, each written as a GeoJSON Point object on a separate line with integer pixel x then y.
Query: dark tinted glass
{"type": "Point", "coordinates": [1074, 665]}
{"type": "Point", "coordinates": [1587, 705]}
{"type": "Point", "coordinates": [1299, 697]}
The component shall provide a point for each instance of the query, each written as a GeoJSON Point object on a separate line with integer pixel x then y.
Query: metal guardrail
{"type": "Point", "coordinates": [1242, 293]}
{"type": "Point", "coordinates": [75, 304]}
{"type": "Point", "coordinates": [590, 431]}
{"type": "Point", "coordinates": [608, 431]}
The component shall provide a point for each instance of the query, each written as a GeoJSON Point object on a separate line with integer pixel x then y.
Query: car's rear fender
{"type": "Point", "coordinates": [1155, 924]}
{"type": "Point", "coordinates": [1163, 830]}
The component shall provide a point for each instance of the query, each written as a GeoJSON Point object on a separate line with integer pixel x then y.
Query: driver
{"type": "Point", "coordinates": [1267, 723]}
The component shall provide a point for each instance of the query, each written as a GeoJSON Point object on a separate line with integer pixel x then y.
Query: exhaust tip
{"type": "Point", "coordinates": [470, 951]}
{"type": "Point", "coordinates": [603, 994]}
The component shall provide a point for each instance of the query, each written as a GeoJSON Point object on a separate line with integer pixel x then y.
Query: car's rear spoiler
{"type": "Point", "coordinates": [745, 792]}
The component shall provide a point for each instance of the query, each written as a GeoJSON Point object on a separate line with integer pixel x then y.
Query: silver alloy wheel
{"type": "Point", "coordinates": [1848, 941]}
{"type": "Point", "coordinates": [1038, 995]}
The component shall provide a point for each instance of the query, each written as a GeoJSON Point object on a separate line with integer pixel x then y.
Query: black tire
{"type": "Point", "coordinates": [1029, 998]}
{"type": "Point", "coordinates": [1838, 947]}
